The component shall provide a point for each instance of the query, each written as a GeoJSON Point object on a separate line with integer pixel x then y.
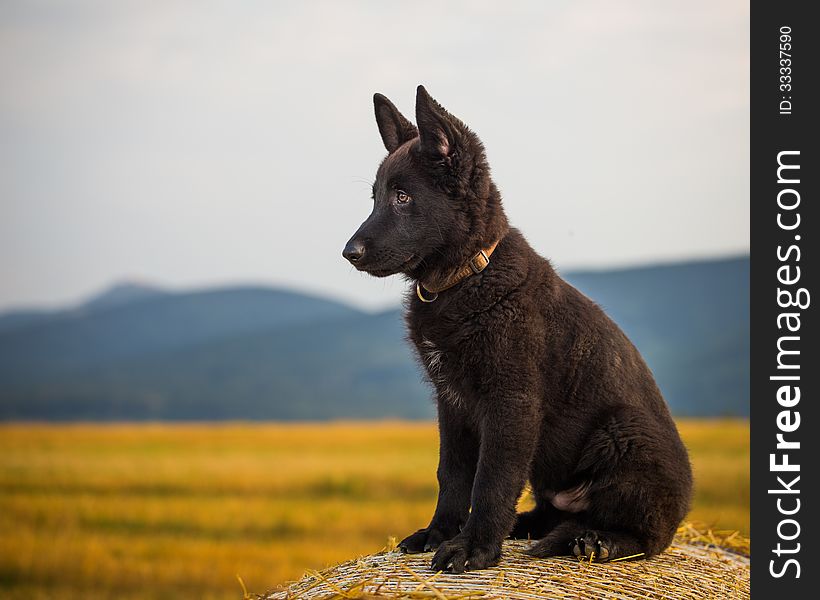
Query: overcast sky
{"type": "Point", "coordinates": [197, 144]}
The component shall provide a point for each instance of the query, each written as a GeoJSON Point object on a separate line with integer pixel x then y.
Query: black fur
{"type": "Point", "coordinates": [534, 382]}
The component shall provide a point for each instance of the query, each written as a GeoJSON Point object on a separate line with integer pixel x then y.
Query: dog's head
{"type": "Point", "coordinates": [433, 201]}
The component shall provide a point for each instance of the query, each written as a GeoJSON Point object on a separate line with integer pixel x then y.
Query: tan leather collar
{"type": "Point", "coordinates": [474, 266]}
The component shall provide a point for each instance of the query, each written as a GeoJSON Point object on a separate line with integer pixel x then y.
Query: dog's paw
{"type": "Point", "coordinates": [459, 555]}
{"type": "Point", "coordinates": [593, 546]}
{"type": "Point", "coordinates": [424, 540]}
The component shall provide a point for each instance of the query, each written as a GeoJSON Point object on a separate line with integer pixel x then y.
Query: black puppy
{"type": "Point", "coordinates": [534, 382]}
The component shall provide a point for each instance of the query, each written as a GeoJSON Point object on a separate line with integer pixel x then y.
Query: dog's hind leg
{"type": "Point", "coordinates": [572, 537]}
{"type": "Point", "coordinates": [557, 542]}
{"type": "Point", "coordinates": [637, 492]}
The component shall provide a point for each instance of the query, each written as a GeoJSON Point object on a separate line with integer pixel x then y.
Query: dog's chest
{"type": "Point", "coordinates": [444, 370]}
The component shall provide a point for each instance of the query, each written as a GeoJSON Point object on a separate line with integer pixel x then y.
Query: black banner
{"type": "Point", "coordinates": [784, 362]}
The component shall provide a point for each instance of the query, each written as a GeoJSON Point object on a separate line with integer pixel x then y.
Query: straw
{"type": "Point", "coordinates": [701, 563]}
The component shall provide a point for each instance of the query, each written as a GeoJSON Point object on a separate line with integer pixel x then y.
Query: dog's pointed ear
{"type": "Point", "coordinates": [394, 128]}
{"type": "Point", "coordinates": [441, 133]}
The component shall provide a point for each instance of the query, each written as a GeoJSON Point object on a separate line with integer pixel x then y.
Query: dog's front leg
{"type": "Point", "coordinates": [508, 441]}
{"type": "Point", "coordinates": [458, 455]}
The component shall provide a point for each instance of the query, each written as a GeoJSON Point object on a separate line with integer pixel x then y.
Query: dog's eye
{"type": "Point", "coordinates": [402, 197]}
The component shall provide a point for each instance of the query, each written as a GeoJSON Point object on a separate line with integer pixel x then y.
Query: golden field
{"type": "Point", "coordinates": [160, 511]}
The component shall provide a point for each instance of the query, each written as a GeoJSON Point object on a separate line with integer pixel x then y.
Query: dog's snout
{"type": "Point", "coordinates": [354, 250]}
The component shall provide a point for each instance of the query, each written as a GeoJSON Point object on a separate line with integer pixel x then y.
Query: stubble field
{"type": "Point", "coordinates": [159, 510]}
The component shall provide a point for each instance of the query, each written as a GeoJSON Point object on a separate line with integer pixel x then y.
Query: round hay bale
{"type": "Point", "coordinates": [696, 566]}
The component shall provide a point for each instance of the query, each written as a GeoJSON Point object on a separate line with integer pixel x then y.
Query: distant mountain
{"type": "Point", "coordinates": [102, 333]}
{"type": "Point", "coordinates": [122, 293]}
{"type": "Point", "coordinates": [20, 318]}
{"type": "Point", "coordinates": [260, 353]}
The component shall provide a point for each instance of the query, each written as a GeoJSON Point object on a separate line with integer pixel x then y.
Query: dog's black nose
{"type": "Point", "coordinates": [354, 250]}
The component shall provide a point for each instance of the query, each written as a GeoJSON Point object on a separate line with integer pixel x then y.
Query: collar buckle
{"type": "Point", "coordinates": [477, 266]}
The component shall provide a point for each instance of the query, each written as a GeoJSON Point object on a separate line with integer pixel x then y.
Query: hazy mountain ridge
{"type": "Point", "coordinates": [120, 293]}
{"type": "Point", "coordinates": [99, 334]}
{"type": "Point", "coordinates": [261, 353]}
